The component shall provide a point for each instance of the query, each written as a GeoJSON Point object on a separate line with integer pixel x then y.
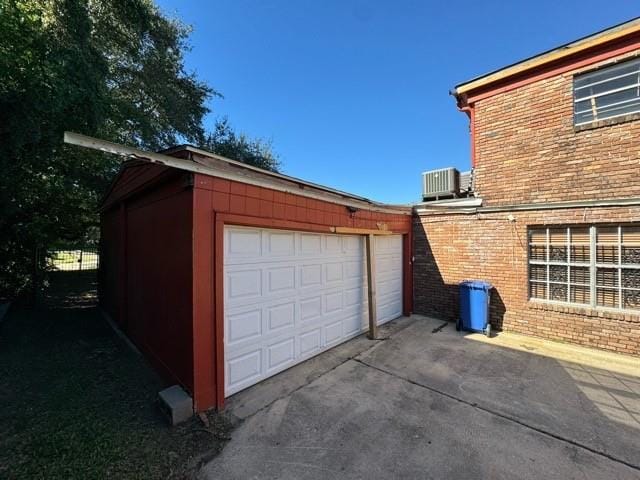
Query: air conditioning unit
{"type": "Point", "coordinates": [440, 183]}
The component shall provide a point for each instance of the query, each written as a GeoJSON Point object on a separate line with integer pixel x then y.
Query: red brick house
{"type": "Point", "coordinates": [224, 274]}
{"type": "Point", "coordinates": [555, 220]}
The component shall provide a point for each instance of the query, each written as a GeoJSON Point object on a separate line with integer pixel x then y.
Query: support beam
{"type": "Point", "coordinates": [371, 286]}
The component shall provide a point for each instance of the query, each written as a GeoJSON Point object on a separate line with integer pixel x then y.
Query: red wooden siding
{"type": "Point", "coordinates": [146, 267]}
{"type": "Point", "coordinates": [163, 259]}
{"type": "Point", "coordinates": [234, 203]}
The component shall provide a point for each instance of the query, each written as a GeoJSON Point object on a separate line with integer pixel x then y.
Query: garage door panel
{"type": "Point", "coordinates": [310, 308]}
{"type": "Point", "coordinates": [244, 369]}
{"type": "Point", "coordinates": [291, 295]}
{"type": "Point", "coordinates": [243, 243]}
{"type": "Point", "coordinates": [281, 316]}
{"type": "Point", "coordinates": [310, 341]}
{"type": "Point", "coordinates": [280, 354]}
{"type": "Point", "coordinates": [334, 332]}
{"type": "Point", "coordinates": [332, 302]}
{"type": "Point", "coordinates": [280, 278]}
{"type": "Point", "coordinates": [310, 243]}
{"type": "Point", "coordinates": [280, 244]}
{"type": "Point", "coordinates": [243, 284]}
{"type": "Point", "coordinates": [244, 326]}
{"type": "Point", "coordinates": [333, 272]}
{"type": "Point", "coordinates": [311, 275]}
{"type": "Point", "coordinates": [388, 277]}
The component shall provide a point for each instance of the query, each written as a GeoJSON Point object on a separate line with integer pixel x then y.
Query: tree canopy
{"type": "Point", "coordinates": [113, 69]}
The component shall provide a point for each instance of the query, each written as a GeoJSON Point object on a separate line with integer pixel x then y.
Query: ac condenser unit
{"type": "Point", "coordinates": [440, 183]}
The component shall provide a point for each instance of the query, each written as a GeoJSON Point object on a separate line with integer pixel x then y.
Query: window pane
{"type": "Point", "coordinates": [607, 297]}
{"type": "Point", "coordinates": [580, 294]}
{"type": "Point", "coordinates": [558, 236]}
{"type": "Point", "coordinates": [538, 252]}
{"type": "Point", "coordinates": [584, 117]}
{"type": "Point", "coordinates": [607, 254]}
{"type": "Point", "coordinates": [580, 275]}
{"type": "Point", "coordinates": [558, 273]}
{"type": "Point", "coordinates": [626, 81]}
{"type": "Point", "coordinates": [557, 253]}
{"type": "Point", "coordinates": [607, 248]}
{"type": "Point", "coordinates": [606, 73]}
{"type": "Point", "coordinates": [580, 245]}
{"type": "Point", "coordinates": [615, 104]}
{"type": "Point", "coordinates": [607, 235]}
{"type": "Point", "coordinates": [558, 292]}
{"type": "Point", "coordinates": [538, 290]}
{"type": "Point", "coordinates": [631, 245]}
{"type": "Point", "coordinates": [607, 277]}
{"type": "Point", "coordinates": [538, 236]}
{"type": "Point", "coordinates": [631, 278]}
{"type": "Point", "coordinates": [538, 273]}
{"type": "Point", "coordinates": [631, 299]}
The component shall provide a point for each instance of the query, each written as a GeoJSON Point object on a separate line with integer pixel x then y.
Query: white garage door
{"type": "Point", "coordinates": [290, 295]}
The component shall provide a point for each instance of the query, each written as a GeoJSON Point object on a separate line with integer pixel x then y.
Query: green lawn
{"type": "Point", "coordinates": [75, 402]}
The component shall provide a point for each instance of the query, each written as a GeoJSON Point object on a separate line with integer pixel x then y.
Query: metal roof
{"type": "Point", "coordinates": [207, 163]}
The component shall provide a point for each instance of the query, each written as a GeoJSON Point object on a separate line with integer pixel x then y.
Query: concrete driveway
{"type": "Point", "coordinates": [425, 404]}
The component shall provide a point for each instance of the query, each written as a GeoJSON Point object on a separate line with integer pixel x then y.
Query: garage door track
{"type": "Point", "coordinates": [425, 404]}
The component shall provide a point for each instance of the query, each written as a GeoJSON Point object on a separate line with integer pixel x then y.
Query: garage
{"type": "Point", "coordinates": [224, 274]}
{"type": "Point", "coordinates": [290, 295]}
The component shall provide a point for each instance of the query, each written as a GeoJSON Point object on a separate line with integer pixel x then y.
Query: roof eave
{"type": "Point", "coordinates": [577, 46]}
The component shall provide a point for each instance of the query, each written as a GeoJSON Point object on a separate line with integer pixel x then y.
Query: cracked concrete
{"type": "Point", "coordinates": [437, 405]}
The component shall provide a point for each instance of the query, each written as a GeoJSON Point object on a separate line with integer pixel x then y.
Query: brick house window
{"type": "Point", "coordinates": [607, 93]}
{"type": "Point", "coordinates": [598, 266]}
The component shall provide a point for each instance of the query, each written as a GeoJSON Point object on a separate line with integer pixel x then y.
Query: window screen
{"type": "Point", "coordinates": [607, 93]}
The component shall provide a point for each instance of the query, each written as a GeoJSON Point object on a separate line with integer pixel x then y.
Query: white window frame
{"type": "Point", "coordinates": [592, 265]}
{"type": "Point", "coordinates": [594, 109]}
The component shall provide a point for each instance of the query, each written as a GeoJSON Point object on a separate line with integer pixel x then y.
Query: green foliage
{"type": "Point", "coordinates": [113, 69]}
{"type": "Point", "coordinates": [108, 68]}
{"type": "Point", "coordinates": [257, 152]}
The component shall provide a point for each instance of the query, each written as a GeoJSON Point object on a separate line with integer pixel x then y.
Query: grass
{"type": "Point", "coordinates": [77, 403]}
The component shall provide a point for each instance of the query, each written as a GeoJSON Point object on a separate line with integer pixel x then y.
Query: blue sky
{"type": "Point", "coordinates": [354, 93]}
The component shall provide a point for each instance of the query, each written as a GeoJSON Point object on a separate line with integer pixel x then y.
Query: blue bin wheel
{"type": "Point", "coordinates": [458, 324]}
{"type": "Point", "coordinates": [487, 330]}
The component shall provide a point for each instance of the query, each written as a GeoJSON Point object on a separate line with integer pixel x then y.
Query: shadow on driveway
{"type": "Point", "coordinates": [438, 405]}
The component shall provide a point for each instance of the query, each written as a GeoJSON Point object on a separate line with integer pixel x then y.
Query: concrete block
{"type": "Point", "coordinates": [176, 404]}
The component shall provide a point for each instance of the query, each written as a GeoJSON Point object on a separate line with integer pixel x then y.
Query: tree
{"type": "Point", "coordinates": [224, 141]}
{"type": "Point", "coordinates": [107, 68]}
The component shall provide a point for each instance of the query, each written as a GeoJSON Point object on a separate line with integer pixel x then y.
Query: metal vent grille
{"type": "Point", "coordinates": [443, 182]}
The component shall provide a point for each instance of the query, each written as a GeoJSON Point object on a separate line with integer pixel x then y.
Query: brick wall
{"type": "Point", "coordinates": [449, 248]}
{"type": "Point", "coordinates": [527, 150]}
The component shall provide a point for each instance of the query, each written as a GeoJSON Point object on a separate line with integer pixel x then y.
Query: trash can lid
{"type": "Point", "coordinates": [477, 284]}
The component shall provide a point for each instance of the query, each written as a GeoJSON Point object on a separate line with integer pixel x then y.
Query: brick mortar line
{"type": "Point", "coordinates": [501, 415]}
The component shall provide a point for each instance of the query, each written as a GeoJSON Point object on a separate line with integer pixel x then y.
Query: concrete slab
{"type": "Point", "coordinates": [429, 403]}
{"type": "Point", "coordinates": [358, 422]}
{"type": "Point", "coordinates": [247, 402]}
{"type": "Point", "coordinates": [585, 401]}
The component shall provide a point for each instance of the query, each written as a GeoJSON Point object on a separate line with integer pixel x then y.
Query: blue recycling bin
{"type": "Point", "coordinates": [475, 296]}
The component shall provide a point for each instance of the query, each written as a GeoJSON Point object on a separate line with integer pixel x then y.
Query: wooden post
{"type": "Point", "coordinates": [371, 286]}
